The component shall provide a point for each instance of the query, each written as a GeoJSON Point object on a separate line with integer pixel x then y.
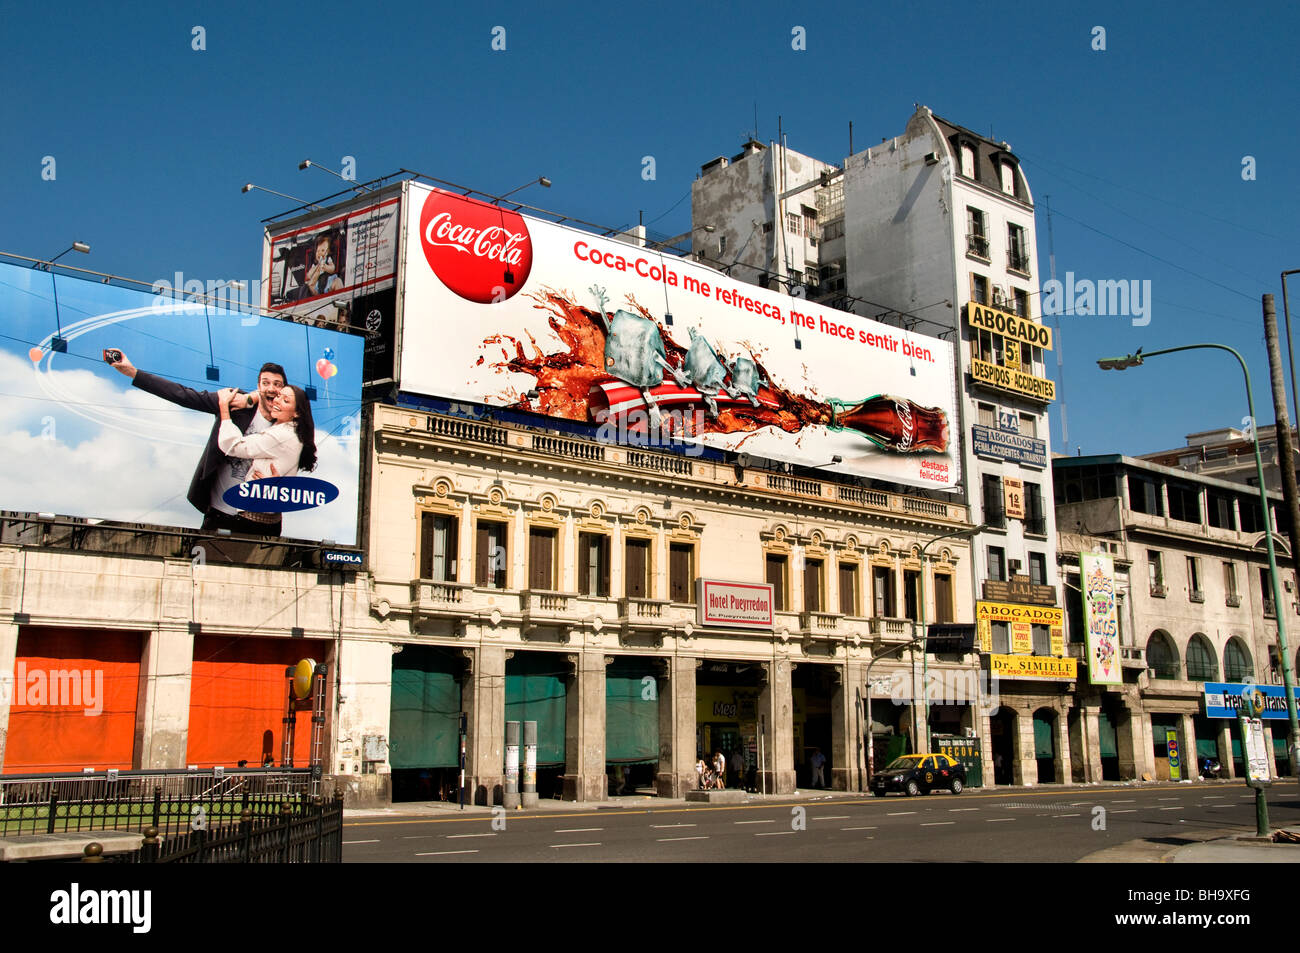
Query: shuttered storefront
{"type": "Point", "coordinates": [61, 675]}
{"type": "Point", "coordinates": [238, 692]}
{"type": "Point", "coordinates": [535, 691]}
{"type": "Point", "coordinates": [631, 712]}
{"type": "Point", "coordinates": [424, 724]}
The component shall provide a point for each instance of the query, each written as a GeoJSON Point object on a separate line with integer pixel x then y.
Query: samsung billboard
{"type": "Point", "coordinates": [515, 312]}
{"type": "Point", "coordinates": [135, 407]}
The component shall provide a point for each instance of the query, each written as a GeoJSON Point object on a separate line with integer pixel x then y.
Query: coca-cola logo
{"type": "Point", "coordinates": [481, 252]}
{"type": "Point", "coordinates": [904, 412]}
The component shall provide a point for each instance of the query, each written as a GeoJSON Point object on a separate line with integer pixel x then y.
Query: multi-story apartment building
{"type": "Point", "coordinates": [1227, 454]}
{"type": "Point", "coordinates": [932, 231]}
{"type": "Point", "coordinates": [1194, 606]}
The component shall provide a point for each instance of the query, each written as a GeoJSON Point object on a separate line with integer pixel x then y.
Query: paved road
{"type": "Point", "coordinates": [1057, 824]}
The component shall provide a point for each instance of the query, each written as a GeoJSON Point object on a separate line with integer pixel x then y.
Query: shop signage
{"type": "Point", "coordinates": [1175, 755]}
{"type": "Point", "coordinates": [1010, 326]}
{"type": "Point", "coordinates": [1022, 638]}
{"type": "Point", "coordinates": [1013, 497]}
{"type": "Point", "coordinates": [1222, 699]}
{"type": "Point", "coordinates": [1257, 760]}
{"type": "Point", "coordinates": [1100, 618]}
{"type": "Point", "coordinates": [1008, 612]}
{"type": "Point", "coordinates": [734, 604]}
{"type": "Point", "coordinates": [1033, 666]}
{"type": "Point", "coordinates": [1017, 382]}
{"type": "Point", "coordinates": [1020, 589]}
{"type": "Point", "coordinates": [1058, 640]}
{"type": "Point", "coordinates": [1008, 420]}
{"type": "Point", "coordinates": [1009, 445]}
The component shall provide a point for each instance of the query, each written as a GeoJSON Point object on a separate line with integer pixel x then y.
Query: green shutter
{"type": "Point", "coordinates": [1043, 738]}
{"type": "Point", "coordinates": [1109, 740]}
{"type": "Point", "coordinates": [535, 691]}
{"type": "Point", "coordinates": [631, 712]}
{"type": "Point", "coordinates": [425, 716]}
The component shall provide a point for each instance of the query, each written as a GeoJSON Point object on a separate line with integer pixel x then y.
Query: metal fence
{"type": "Point", "coordinates": [133, 800]}
{"type": "Point", "coordinates": [307, 833]}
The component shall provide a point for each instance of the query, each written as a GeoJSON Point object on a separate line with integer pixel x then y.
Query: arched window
{"type": "Point", "coordinates": [1202, 665]}
{"type": "Point", "coordinates": [1162, 657]}
{"type": "Point", "coordinates": [1237, 666]}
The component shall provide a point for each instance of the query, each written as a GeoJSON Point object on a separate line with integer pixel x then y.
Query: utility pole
{"type": "Point", "coordinates": [1286, 463]}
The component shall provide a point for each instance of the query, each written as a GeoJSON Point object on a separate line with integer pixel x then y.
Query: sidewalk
{"type": "Point", "coordinates": [1228, 846]}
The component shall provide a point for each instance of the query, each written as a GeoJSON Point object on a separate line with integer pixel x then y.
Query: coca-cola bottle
{"type": "Point", "coordinates": [893, 423]}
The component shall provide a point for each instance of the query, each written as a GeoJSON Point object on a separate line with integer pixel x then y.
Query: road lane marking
{"type": "Point", "coordinates": [665, 840]}
{"type": "Point", "coordinates": [671, 825]}
{"type": "Point", "coordinates": [1169, 809]}
{"type": "Point", "coordinates": [998, 820]}
{"type": "Point", "coordinates": [1127, 800]}
{"type": "Point", "coordinates": [440, 853]}
{"type": "Point", "coordinates": [900, 813]}
{"type": "Point", "coordinates": [753, 822]}
{"type": "Point", "coordinates": [417, 836]}
{"type": "Point", "coordinates": [936, 823]}
{"type": "Point", "coordinates": [857, 828]}
{"type": "Point", "coordinates": [596, 844]}
{"type": "Point", "coordinates": [832, 817]}
{"type": "Point", "coordinates": [1166, 799]}
{"type": "Point", "coordinates": [1212, 806]}
{"type": "Point", "coordinates": [954, 810]}
{"type": "Point", "coordinates": [774, 833]}
{"type": "Point", "coordinates": [1212, 796]}
{"type": "Point", "coordinates": [579, 830]}
{"type": "Point", "coordinates": [488, 834]}
{"type": "Point", "coordinates": [1127, 810]}
{"type": "Point", "coordinates": [1067, 815]}
{"type": "Point", "coordinates": [374, 841]}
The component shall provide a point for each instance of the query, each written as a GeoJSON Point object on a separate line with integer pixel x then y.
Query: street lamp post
{"type": "Point", "coordinates": [1134, 360]}
{"type": "Point", "coordinates": [920, 621]}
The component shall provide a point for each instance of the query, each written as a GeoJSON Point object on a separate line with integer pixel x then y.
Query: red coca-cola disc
{"type": "Point", "coordinates": [481, 252]}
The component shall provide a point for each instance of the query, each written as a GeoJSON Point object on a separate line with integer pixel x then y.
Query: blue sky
{"type": "Point", "coordinates": [1139, 146]}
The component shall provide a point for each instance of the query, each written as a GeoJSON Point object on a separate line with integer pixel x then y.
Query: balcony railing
{"type": "Point", "coordinates": [1036, 525]}
{"type": "Point", "coordinates": [1233, 600]}
{"type": "Point", "coordinates": [1270, 608]}
{"type": "Point", "coordinates": [1017, 261]}
{"type": "Point", "coordinates": [820, 623]}
{"type": "Point", "coordinates": [977, 245]}
{"type": "Point", "coordinates": [1163, 670]}
{"type": "Point", "coordinates": [1158, 590]}
{"type": "Point", "coordinates": [994, 516]}
{"type": "Point", "coordinates": [882, 627]}
{"type": "Point", "coordinates": [1132, 656]}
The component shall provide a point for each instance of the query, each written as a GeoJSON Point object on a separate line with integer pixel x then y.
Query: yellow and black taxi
{"type": "Point", "coordinates": [919, 774]}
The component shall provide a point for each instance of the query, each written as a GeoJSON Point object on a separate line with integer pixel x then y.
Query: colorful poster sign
{"type": "Point", "coordinates": [1058, 640]}
{"type": "Point", "coordinates": [648, 348]}
{"type": "Point", "coordinates": [1022, 638]}
{"type": "Point", "coordinates": [1175, 755]}
{"type": "Point", "coordinates": [1100, 618]}
{"type": "Point", "coordinates": [743, 604]}
{"type": "Point", "coordinates": [1033, 666]}
{"type": "Point", "coordinates": [114, 401]}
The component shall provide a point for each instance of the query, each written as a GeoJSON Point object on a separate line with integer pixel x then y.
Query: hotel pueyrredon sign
{"type": "Point", "coordinates": [743, 605]}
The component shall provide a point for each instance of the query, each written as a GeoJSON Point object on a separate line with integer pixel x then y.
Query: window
{"type": "Point", "coordinates": [490, 557]}
{"type": "Point", "coordinates": [1144, 496]}
{"type": "Point", "coordinates": [636, 568]}
{"type": "Point", "coordinates": [1001, 632]}
{"type": "Point", "coordinates": [1194, 580]}
{"type": "Point", "coordinates": [1035, 517]}
{"type": "Point", "coordinates": [1218, 510]}
{"type": "Point", "coordinates": [977, 239]}
{"type": "Point", "coordinates": [1042, 639]}
{"type": "Point", "coordinates": [681, 573]}
{"type": "Point", "coordinates": [1038, 569]}
{"type": "Point", "coordinates": [777, 578]}
{"type": "Point", "coordinates": [979, 289]}
{"type": "Point", "coordinates": [1020, 300]}
{"type": "Point", "coordinates": [1184, 502]}
{"type": "Point", "coordinates": [1252, 515]}
{"type": "Point", "coordinates": [722, 245]}
{"type": "Point", "coordinates": [1236, 661]}
{"type": "Point", "coordinates": [1231, 595]}
{"type": "Point", "coordinates": [1017, 250]}
{"type": "Point", "coordinates": [882, 584]}
{"type": "Point", "coordinates": [809, 221]}
{"type": "Point", "coordinates": [541, 558]}
{"type": "Point", "coordinates": [812, 585]}
{"type": "Point", "coordinates": [438, 547]}
{"type": "Point", "coordinates": [1008, 179]}
{"type": "Point", "coordinates": [593, 565]}
{"type": "Point", "coordinates": [1201, 663]}
{"type": "Point", "coordinates": [792, 223]}
{"type": "Point", "coordinates": [1162, 661]}
{"type": "Point", "coordinates": [988, 415]}
{"type": "Point", "coordinates": [997, 564]}
{"type": "Point", "coordinates": [943, 608]}
{"type": "Point", "coordinates": [849, 588]}
{"type": "Point", "coordinates": [911, 593]}
{"type": "Point", "coordinates": [993, 513]}
{"type": "Point", "coordinates": [968, 162]}
{"type": "Point", "coordinates": [1266, 590]}
{"type": "Point", "coordinates": [1028, 425]}
{"type": "Point", "coordinates": [1155, 573]}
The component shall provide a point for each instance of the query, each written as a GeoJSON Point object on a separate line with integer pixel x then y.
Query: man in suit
{"type": "Point", "coordinates": [217, 473]}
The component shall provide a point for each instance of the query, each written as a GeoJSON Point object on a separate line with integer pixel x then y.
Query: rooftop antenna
{"type": "Point", "coordinates": [1060, 359]}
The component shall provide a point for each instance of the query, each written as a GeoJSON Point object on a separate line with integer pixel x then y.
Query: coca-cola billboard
{"type": "Point", "coordinates": [503, 309]}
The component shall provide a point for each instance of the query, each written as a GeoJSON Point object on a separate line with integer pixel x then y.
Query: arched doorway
{"type": "Point", "coordinates": [1162, 656]}
{"type": "Point", "coordinates": [1002, 745]}
{"type": "Point", "coordinates": [1045, 744]}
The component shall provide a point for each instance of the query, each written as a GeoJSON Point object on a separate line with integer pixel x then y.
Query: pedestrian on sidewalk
{"type": "Point", "coordinates": [818, 762]}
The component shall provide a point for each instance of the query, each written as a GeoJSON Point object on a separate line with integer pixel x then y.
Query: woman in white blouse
{"type": "Point", "coordinates": [284, 448]}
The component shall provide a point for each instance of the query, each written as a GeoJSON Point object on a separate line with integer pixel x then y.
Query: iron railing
{"type": "Point", "coordinates": [134, 800]}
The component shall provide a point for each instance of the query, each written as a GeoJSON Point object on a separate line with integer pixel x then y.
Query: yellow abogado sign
{"type": "Point", "coordinates": [1008, 325]}
{"type": "Point", "coordinates": [1013, 612]}
{"type": "Point", "coordinates": [1033, 666]}
{"type": "Point", "coordinates": [1005, 378]}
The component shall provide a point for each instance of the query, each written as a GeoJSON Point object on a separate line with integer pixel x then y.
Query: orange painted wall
{"type": "Point", "coordinates": [237, 696]}
{"type": "Point", "coordinates": [52, 738]}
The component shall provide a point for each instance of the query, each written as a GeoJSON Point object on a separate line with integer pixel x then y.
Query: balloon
{"type": "Point", "coordinates": [323, 367]}
{"type": "Point", "coordinates": [334, 369]}
{"type": "Point", "coordinates": [36, 354]}
{"type": "Point", "coordinates": [329, 354]}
